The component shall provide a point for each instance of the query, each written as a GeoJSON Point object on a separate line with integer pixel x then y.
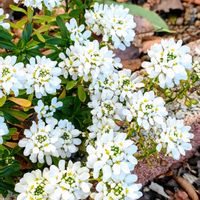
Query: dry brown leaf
{"type": "Point", "coordinates": [181, 195]}
{"type": "Point", "coordinates": [187, 187]}
{"type": "Point", "coordinates": [143, 25]}
{"type": "Point", "coordinates": [133, 65]}
{"type": "Point", "coordinates": [167, 5]}
{"type": "Point", "coordinates": [193, 1]}
{"type": "Point", "coordinates": [15, 136]}
{"type": "Point", "coordinates": [148, 42]}
{"type": "Point", "coordinates": [12, 145]}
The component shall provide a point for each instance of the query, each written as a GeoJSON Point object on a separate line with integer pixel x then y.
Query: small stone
{"type": "Point", "coordinates": [197, 23]}
{"type": "Point", "coordinates": [198, 15]}
{"type": "Point", "coordinates": [179, 21]}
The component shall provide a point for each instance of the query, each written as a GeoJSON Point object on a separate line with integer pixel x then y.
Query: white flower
{"type": "Point", "coordinates": [32, 186]}
{"type": "Point", "coordinates": [125, 189]}
{"type": "Point", "coordinates": [40, 142]}
{"type": "Point", "coordinates": [88, 61]}
{"type": "Point", "coordinates": [50, 4]}
{"type": "Point", "coordinates": [3, 129]}
{"type": "Point", "coordinates": [112, 155]}
{"type": "Point", "coordinates": [175, 137]}
{"type": "Point", "coordinates": [121, 84]}
{"type": "Point", "coordinates": [45, 111]}
{"type": "Point", "coordinates": [148, 109]}
{"type": "Point", "coordinates": [102, 126]}
{"type": "Point", "coordinates": [113, 22]}
{"type": "Point", "coordinates": [71, 182]}
{"type": "Point", "coordinates": [68, 140]}
{"type": "Point", "coordinates": [78, 33]}
{"type": "Point", "coordinates": [169, 62]}
{"type": "Point", "coordinates": [108, 108]}
{"type": "Point", "coordinates": [42, 76]}
{"type": "Point", "coordinates": [12, 76]}
{"type": "Point", "coordinates": [2, 17]}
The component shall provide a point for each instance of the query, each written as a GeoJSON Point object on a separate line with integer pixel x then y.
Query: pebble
{"type": "Point", "coordinates": [179, 21]}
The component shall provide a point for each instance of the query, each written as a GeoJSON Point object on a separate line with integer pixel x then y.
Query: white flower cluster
{"type": "Point", "coordinates": [88, 61]}
{"type": "Point", "coordinates": [55, 183]}
{"type": "Point", "coordinates": [113, 22]}
{"type": "Point", "coordinates": [50, 4]}
{"type": "Point", "coordinates": [77, 33]}
{"type": "Point", "coordinates": [12, 76]}
{"type": "Point", "coordinates": [169, 62]}
{"type": "Point", "coordinates": [3, 129]}
{"type": "Point", "coordinates": [2, 17]}
{"type": "Point", "coordinates": [175, 137]}
{"type": "Point", "coordinates": [47, 139]}
{"type": "Point", "coordinates": [148, 109]}
{"type": "Point", "coordinates": [41, 76]}
{"type": "Point", "coordinates": [118, 189]}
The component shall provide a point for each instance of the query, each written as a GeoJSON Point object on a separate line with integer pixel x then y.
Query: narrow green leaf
{"type": "Point", "coordinates": [5, 34]}
{"type": "Point", "coordinates": [18, 9]}
{"type": "Point", "coordinates": [70, 84]}
{"type": "Point", "coordinates": [2, 101]}
{"type": "Point", "coordinates": [15, 113]}
{"type": "Point", "coordinates": [63, 28]}
{"type": "Point", "coordinates": [81, 93]}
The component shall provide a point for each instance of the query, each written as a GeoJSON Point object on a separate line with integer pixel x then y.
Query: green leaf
{"type": "Point", "coordinates": [7, 45]}
{"type": "Point", "coordinates": [152, 17]}
{"type": "Point", "coordinates": [2, 101]}
{"type": "Point", "coordinates": [27, 33]}
{"type": "Point", "coordinates": [10, 169]}
{"type": "Point", "coordinates": [15, 113]}
{"type": "Point", "coordinates": [70, 84]}
{"type": "Point", "coordinates": [18, 9]}
{"type": "Point", "coordinates": [5, 34]}
{"type": "Point", "coordinates": [63, 28]}
{"type": "Point", "coordinates": [40, 37]}
{"type": "Point", "coordinates": [81, 93]}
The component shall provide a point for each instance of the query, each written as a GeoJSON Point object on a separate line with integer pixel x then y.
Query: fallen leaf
{"type": "Point", "coordinates": [187, 187]}
{"type": "Point", "coordinates": [19, 101]}
{"type": "Point", "coordinates": [167, 5]}
{"type": "Point", "coordinates": [15, 136]}
{"type": "Point", "coordinates": [181, 195]}
{"type": "Point", "coordinates": [193, 1]}
{"type": "Point", "coordinates": [148, 42]}
{"type": "Point", "coordinates": [133, 65]}
{"type": "Point", "coordinates": [131, 52]}
{"type": "Point", "coordinates": [12, 145]}
{"type": "Point", "coordinates": [143, 25]}
{"type": "Point", "coordinates": [159, 189]}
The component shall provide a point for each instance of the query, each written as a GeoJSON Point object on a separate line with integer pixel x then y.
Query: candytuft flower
{"type": "Point", "coordinates": [50, 4]}
{"type": "Point", "coordinates": [169, 62]}
{"type": "Point", "coordinates": [40, 142]}
{"type": "Point", "coordinates": [33, 185]}
{"type": "Point", "coordinates": [42, 76]}
{"type": "Point", "coordinates": [175, 137]}
{"type": "Point", "coordinates": [12, 76]}
{"type": "Point", "coordinates": [113, 23]}
{"type": "Point", "coordinates": [112, 155]}
{"type": "Point", "coordinates": [88, 61]}
{"type": "Point", "coordinates": [78, 33]}
{"type": "Point", "coordinates": [70, 182]}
